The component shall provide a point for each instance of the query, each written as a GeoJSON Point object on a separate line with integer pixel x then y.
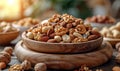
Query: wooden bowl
{"type": "Point", "coordinates": [101, 25]}
{"type": "Point", "coordinates": [22, 28]}
{"type": "Point", "coordinates": [112, 41]}
{"type": "Point", "coordinates": [61, 47]}
{"type": "Point", "coordinates": [6, 38]}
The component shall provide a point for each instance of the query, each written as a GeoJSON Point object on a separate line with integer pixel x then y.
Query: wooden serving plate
{"type": "Point", "coordinates": [65, 61]}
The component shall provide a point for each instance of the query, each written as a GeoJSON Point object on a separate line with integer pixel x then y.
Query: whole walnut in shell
{"type": "Point", "coordinates": [40, 67]}
{"type": "Point", "coordinates": [26, 65]}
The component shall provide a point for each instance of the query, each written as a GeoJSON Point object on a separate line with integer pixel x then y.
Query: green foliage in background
{"type": "Point", "coordinates": [77, 8]}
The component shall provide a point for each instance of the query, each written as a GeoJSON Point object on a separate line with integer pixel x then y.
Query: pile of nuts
{"type": "Point", "coordinates": [6, 27]}
{"type": "Point", "coordinates": [27, 22]}
{"type": "Point", "coordinates": [101, 19]}
{"type": "Point", "coordinates": [63, 29]}
{"type": "Point", "coordinates": [112, 32]}
{"type": "Point", "coordinates": [85, 68]}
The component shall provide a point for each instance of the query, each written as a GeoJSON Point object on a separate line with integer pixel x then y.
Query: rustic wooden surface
{"type": "Point", "coordinates": [106, 67]}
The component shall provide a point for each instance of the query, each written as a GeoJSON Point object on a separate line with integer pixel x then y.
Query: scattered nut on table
{"type": "Point", "coordinates": [40, 67]}
{"type": "Point", "coordinates": [5, 57]}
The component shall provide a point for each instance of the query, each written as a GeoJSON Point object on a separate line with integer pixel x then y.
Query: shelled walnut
{"type": "Point", "coordinates": [112, 32]}
{"type": "Point", "coordinates": [101, 19]}
{"type": "Point", "coordinates": [116, 68]}
{"type": "Point", "coordinates": [118, 55]}
{"type": "Point", "coordinates": [63, 29]}
{"type": "Point", "coordinates": [85, 68]}
{"type": "Point", "coordinates": [26, 65]}
{"type": "Point", "coordinates": [27, 22]}
{"type": "Point", "coordinates": [5, 57]}
{"type": "Point", "coordinates": [16, 67]}
{"type": "Point", "coordinates": [6, 27]}
{"type": "Point", "coordinates": [40, 67]}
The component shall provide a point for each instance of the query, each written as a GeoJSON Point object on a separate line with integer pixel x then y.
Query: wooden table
{"type": "Point", "coordinates": [106, 67]}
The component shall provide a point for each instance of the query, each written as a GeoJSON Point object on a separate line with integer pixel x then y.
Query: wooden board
{"type": "Point", "coordinates": [65, 61]}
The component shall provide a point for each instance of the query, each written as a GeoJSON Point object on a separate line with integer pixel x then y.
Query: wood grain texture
{"type": "Point", "coordinates": [61, 47]}
{"type": "Point", "coordinates": [6, 38]}
{"type": "Point", "coordinates": [65, 61]}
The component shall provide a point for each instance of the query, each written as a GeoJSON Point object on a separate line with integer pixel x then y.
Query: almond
{"type": "Point", "coordinates": [52, 35]}
{"type": "Point", "coordinates": [93, 32]}
{"type": "Point", "coordinates": [92, 37]}
{"type": "Point", "coordinates": [51, 40]}
{"type": "Point", "coordinates": [44, 38]}
{"type": "Point", "coordinates": [69, 26]}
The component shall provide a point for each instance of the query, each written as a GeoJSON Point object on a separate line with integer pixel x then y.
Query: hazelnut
{"type": "Point", "coordinates": [30, 35]}
{"type": "Point", "coordinates": [8, 50]}
{"type": "Point", "coordinates": [26, 65]}
{"type": "Point", "coordinates": [66, 38]}
{"type": "Point", "coordinates": [2, 65]}
{"type": "Point", "coordinates": [116, 68]}
{"type": "Point", "coordinates": [57, 38]}
{"type": "Point", "coordinates": [40, 67]}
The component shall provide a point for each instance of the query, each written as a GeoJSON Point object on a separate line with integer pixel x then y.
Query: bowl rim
{"type": "Point", "coordinates": [111, 39]}
{"type": "Point", "coordinates": [24, 37]}
{"type": "Point", "coordinates": [15, 31]}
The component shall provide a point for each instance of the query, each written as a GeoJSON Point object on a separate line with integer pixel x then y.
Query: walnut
{"type": "Point", "coordinates": [116, 68]}
{"type": "Point", "coordinates": [101, 19]}
{"type": "Point", "coordinates": [45, 29]}
{"type": "Point", "coordinates": [81, 29]}
{"type": "Point", "coordinates": [26, 65]}
{"type": "Point", "coordinates": [69, 26]}
{"type": "Point", "coordinates": [16, 67]}
{"type": "Point", "coordinates": [5, 57]}
{"type": "Point", "coordinates": [59, 31]}
{"type": "Point", "coordinates": [8, 50]}
{"type": "Point", "coordinates": [40, 67]}
{"type": "Point", "coordinates": [116, 33]}
{"type": "Point", "coordinates": [78, 40]}
{"type": "Point", "coordinates": [61, 28]}
{"type": "Point", "coordinates": [2, 65]}
{"type": "Point", "coordinates": [71, 30]}
{"type": "Point", "coordinates": [118, 46]}
{"type": "Point", "coordinates": [84, 68]}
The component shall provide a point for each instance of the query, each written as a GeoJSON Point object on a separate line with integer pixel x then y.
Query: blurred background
{"type": "Point", "coordinates": [11, 10]}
